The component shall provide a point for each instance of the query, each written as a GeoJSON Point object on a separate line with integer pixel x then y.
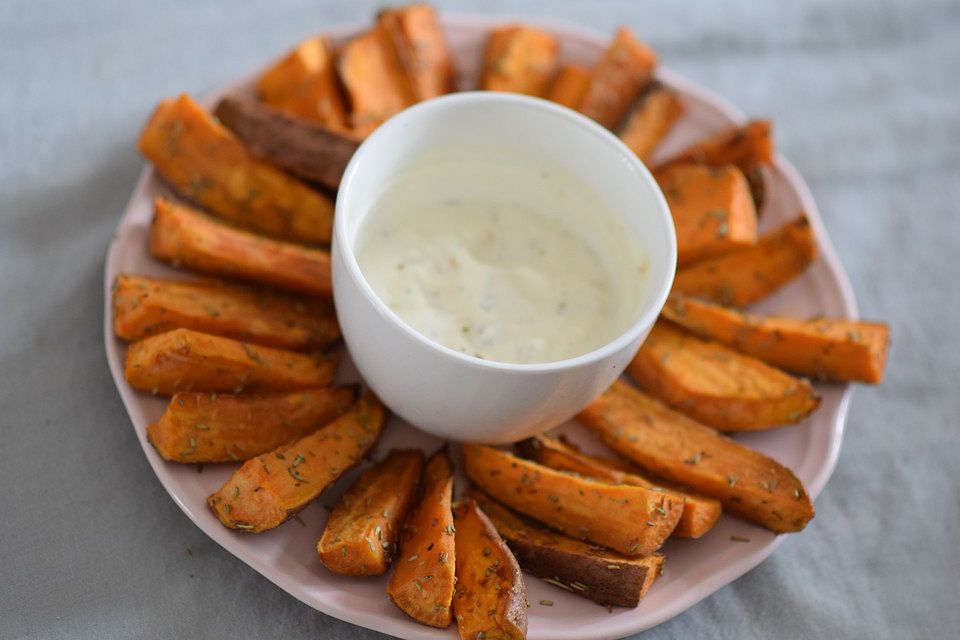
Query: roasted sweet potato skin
{"type": "Point", "coordinates": [651, 119]}
{"type": "Point", "coordinates": [625, 68]}
{"type": "Point", "coordinates": [569, 85]}
{"type": "Point", "coordinates": [185, 237]}
{"type": "Point", "coordinates": [829, 349]}
{"type": "Point", "coordinates": [304, 83]}
{"type": "Point", "coordinates": [699, 512]}
{"type": "Point", "coordinates": [363, 530]}
{"type": "Point", "coordinates": [206, 164]}
{"type": "Point", "coordinates": [519, 59]}
{"type": "Point", "coordinates": [185, 360]}
{"type": "Point", "coordinates": [671, 445]}
{"type": "Point", "coordinates": [210, 427]}
{"type": "Point", "coordinates": [417, 36]}
{"type": "Point", "coordinates": [712, 210]}
{"type": "Point", "coordinates": [144, 307]}
{"type": "Point", "coordinates": [586, 570]}
{"type": "Point", "coordinates": [423, 579]}
{"type": "Point", "coordinates": [632, 520]}
{"type": "Point", "coordinates": [376, 83]}
{"type": "Point", "coordinates": [490, 600]}
{"type": "Point", "coordinates": [309, 150]}
{"type": "Point", "coordinates": [717, 385]}
{"type": "Point", "coordinates": [744, 276]}
{"type": "Point", "coordinates": [268, 490]}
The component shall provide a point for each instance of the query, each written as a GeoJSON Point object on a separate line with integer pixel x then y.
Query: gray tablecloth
{"type": "Point", "coordinates": [866, 98]}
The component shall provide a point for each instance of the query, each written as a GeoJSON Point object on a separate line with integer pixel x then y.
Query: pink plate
{"type": "Point", "coordinates": [695, 568]}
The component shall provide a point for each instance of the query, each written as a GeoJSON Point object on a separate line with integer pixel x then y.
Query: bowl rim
{"type": "Point", "coordinates": [650, 306]}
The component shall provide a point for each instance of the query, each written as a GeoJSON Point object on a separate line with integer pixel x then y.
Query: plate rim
{"type": "Point", "coordinates": [617, 627]}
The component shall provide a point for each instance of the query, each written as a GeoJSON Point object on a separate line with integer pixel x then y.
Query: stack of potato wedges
{"type": "Point", "coordinates": [246, 348]}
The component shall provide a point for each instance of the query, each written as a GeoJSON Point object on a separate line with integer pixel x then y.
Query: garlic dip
{"type": "Point", "coordinates": [502, 256]}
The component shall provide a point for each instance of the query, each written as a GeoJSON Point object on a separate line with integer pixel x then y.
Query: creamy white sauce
{"type": "Point", "coordinates": [503, 257]}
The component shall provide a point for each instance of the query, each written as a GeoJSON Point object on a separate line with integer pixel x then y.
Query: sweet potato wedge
{"type": "Point", "coordinates": [748, 147]}
{"type": "Point", "coordinates": [748, 275]}
{"type": "Point", "coordinates": [185, 237]}
{"type": "Point", "coordinates": [304, 83]}
{"type": "Point", "coordinates": [363, 530]}
{"type": "Point", "coordinates": [376, 83]}
{"type": "Point", "coordinates": [490, 600]}
{"type": "Point", "coordinates": [207, 427]}
{"type": "Point", "coordinates": [669, 444]}
{"type": "Point", "coordinates": [424, 575]}
{"type": "Point", "coordinates": [144, 307]}
{"type": "Point", "coordinates": [268, 490]}
{"type": "Point", "coordinates": [712, 210]}
{"type": "Point", "coordinates": [569, 85]}
{"type": "Point", "coordinates": [308, 150]}
{"type": "Point", "coordinates": [716, 385]}
{"type": "Point", "coordinates": [625, 68]}
{"type": "Point", "coordinates": [632, 520]}
{"type": "Point", "coordinates": [186, 360]}
{"type": "Point", "coordinates": [519, 59]}
{"type": "Point", "coordinates": [418, 39]}
{"type": "Point", "coordinates": [699, 515]}
{"type": "Point", "coordinates": [651, 119]}
{"type": "Point", "coordinates": [828, 349]}
{"type": "Point", "coordinates": [586, 570]}
{"type": "Point", "coordinates": [206, 164]}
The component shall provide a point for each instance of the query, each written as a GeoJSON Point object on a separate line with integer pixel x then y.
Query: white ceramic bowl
{"type": "Point", "coordinates": [448, 393]}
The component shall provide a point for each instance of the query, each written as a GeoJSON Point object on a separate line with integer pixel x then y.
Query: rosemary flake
{"type": "Point", "coordinates": [296, 474]}
{"type": "Point", "coordinates": [557, 583]}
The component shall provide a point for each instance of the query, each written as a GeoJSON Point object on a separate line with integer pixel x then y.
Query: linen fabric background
{"type": "Point", "coordinates": [865, 96]}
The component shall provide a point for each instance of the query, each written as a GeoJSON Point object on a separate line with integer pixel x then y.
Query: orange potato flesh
{"type": "Point", "coordinates": [748, 147]}
{"type": "Point", "coordinates": [519, 59]}
{"type": "Point", "coordinates": [744, 276]}
{"type": "Point", "coordinates": [625, 68]}
{"type": "Point", "coordinates": [268, 490]}
{"type": "Point", "coordinates": [205, 163]}
{"type": "Point", "coordinates": [632, 520]}
{"type": "Point", "coordinates": [699, 512]}
{"type": "Point", "coordinates": [207, 427]}
{"type": "Point", "coordinates": [671, 445]}
{"type": "Point", "coordinates": [423, 578]}
{"type": "Point", "coordinates": [712, 210]}
{"type": "Point", "coordinates": [490, 600]}
{"type": "Point", "coordinates": [828, 349]}
{"type": "Point", "coordinates": [185, 237]}
{"type": "Point", "coordinates": [651, 120]}
{"type": "Point", "coordinates": [717, 385]}
{"type": "Point", "coordinates": [186, 360]}
{"type": "Point", "coordinates": [362, 532]}
{"type": "Point", "coordinates": [304, 83]}
{"type": "Point", "coordinates": [418, 38]}
{"type": "Point", "coordinates": [145, 307]}
{"type": "Point", "coordinates": [569, 85]}
{"type": "Point", "coordinates": [376, 83]}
